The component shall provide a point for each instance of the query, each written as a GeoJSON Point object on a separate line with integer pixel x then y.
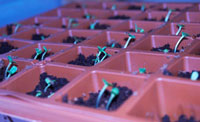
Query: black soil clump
{"type": "Point", "coordinates": [73, 39]}
{"type": "Point", "coordinates": [165, 47]}
{"type": "Point", "coordinates": [124, 94]}
{"type": "Point", "coordinates": [100, 26]}
{"type": "Point", "coordinates": [9, 29]}
{"type": "Point", "coordinates": [134, 7]}
{"type": "Point", "coordinates": [166, 9]}
{"type": "Point", "coordinates": [114, 45]}
{"type": "Point", "coordinates": [6, 47]}
{"type": "Point", "coordinates": [154, 19]}
{"type": "Point", "coordinates": [57, 84]}
{"type": "Point", "coordinates": [182, 118]}
{"type": "Point", "coordinates": [119, 17]}
{"type": "Point", "coordinates": [2, 70]}
{"type": "Point", "coordinates": [40, 56]}
{"type": "Point", "coordinates": [86, 61]}
{"type": "Point", "coordinates": [38, 37]}
{"type": "Point", "coordinates": [187, 74]}
{"type": "Point", "coordinates": [37, 24]}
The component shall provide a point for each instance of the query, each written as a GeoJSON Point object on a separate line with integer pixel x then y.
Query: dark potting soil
{"type": "Point", "coordinates": [133, 30]}
{"type": "Point", "coordinates": [166, 9]}
{"type": "Point", "coordinates": [187, 74]}
{"type": "Point", "coordinates": [9, 29]}
{"type": "Point", "coordinates": [154, 19]}
{"type": "Point", "coordinates": [6, 47]}
{"type": "Point", "coordinates": [37, 24]}
{"type": "Point", "coordinates": [40, 56]}
{"type": "Point", "coordinates": [72, 39]}
{"type": "Point", "coordinates": [100, 26]}
{"type": "Point", "coordinates": [58, 84]}
{"type": "Point", "coordinates": [119, 17]}
{"type": "Point", "coordinates": [63, 26]}
{"type": "Point", "coordinates": [38, 37]}
{"type": "Point", "coordinates": [78, 6]}
{"type": "Point", "coordinates": [167, 72]}
{"type": "Point", "coordinates": [114, 45]}
{"type": "Point", "coordinates": [85, 61]}
{"type": "Point", "coordinates": [182, 118]}
{"type": "Point", "coordinates": [161, 49]}
{"type": "Point", "coordinates": [134, 7]}
{"type": "Point", "coordinates": [124, 94]}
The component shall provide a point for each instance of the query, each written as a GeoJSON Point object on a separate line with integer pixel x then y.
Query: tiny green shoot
{"type": "Point", "coordinates": [179, 29]}
{"type": "Point", "coordinates": [179, 41]}
{"type": "Point", "coordinates": [114, 93]}
{"type": "Point", "coordinates": [142, 70]}
{"type": "Point", "coordinates": [88, 16]}
{"type": "Point", "coordinates": [17, 27]}
{"type": "Point", "coordinates": [49, 82]}
{"type": "Point", "coordinates": [143, 7]}
{"type": "Point", "coordinates": [38, 93]}
{"type": "Point", "coordinates": [101, 50]}
{"type": "Point", "coordinates": [76, 40]}
{"type": "Point", "coordinates": [105, 55]}
{"type": "Point", "coordinates": [114, 7]}
{"type": "Point", "coordinates": [45, 52]}
{"type": "Point", "coordinates": [12, 71]}
{"type": "Point", "coordinates": [129, 39]}
{"type": "Point", "coordinates": [42, 37]}
{"type": "Point", "coordinates": [50, 95]}
{"type": "Point", "coordinates": [137, 28]}
{"type": "Point", "coordinates": [92, 25]}
{"type": "Point", "coordinates": [9, 65]}
{"type": "Point", "coordinates": [168, 15]}
{"type": "Point", "coordinates": [70, 22]}
{"type": "Point", "coordinates": [38, 52]}
{"type": "Point", "coordinates": [194, 75]}
{"type": "Point", "coordinates": [106, 84]}
{"type": "Point", "coordinates": [165, 50]}
{"type": "Point", "coordinates": [113, 45]}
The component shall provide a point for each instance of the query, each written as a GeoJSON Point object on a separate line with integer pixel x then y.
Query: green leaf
{"type": "Point", "coordinates": [12, 70]}
{"type": "Point", "coordinates": [45, 49]}
{"type": "Point", "coordinates": [106, 83]}
{"type": "Point", "coordinates": [38, 51]}
{"type": "Point", "coordinates": [194, 75]}
{"type": "Point", "coordinates": [179, 25]}
{"type": "Point", "coordinates": [49, 81]}
{"type": "Point", "coordinates": [130, 35]}
{"type": "Point", "coordinates": [115, 91]}
{"type": "Point", "coordinates": [185, 34]}
{"type": "Point", "coordinates": [10, 59]}
{"type": "Point", "coordinates": [142, 70]}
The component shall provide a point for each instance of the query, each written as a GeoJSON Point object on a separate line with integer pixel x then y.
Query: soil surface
{"type": "Point", "coordinates": [166, 9]}
{"type": "Point", "coordinates": [38, 37]}
{"type": "Point", "coordinates": [58, 84]}
{"type": "Point", "coordinates": [72, 39]}
{"type": "Point", "coordinates": [40, 56]}
{"type": "Point", "coordinates": [182, 118]}
{"type": "Point", "coordinates": [9, 29]}
{"type": "Point", "coordinates": [114, 45]}
{"type": "Point", "coordinates": [119, 17]}
{"type": "Point", "coordinates": [100, 26]}
{"type": "Point", "coordinates": [154, 19]}
{"type": "Point", "coordinates": [85, 61]}
{"type": "Point", "coordinates": [124, 94]}
{"type": "Point", "coordinates": [2, 70]}
{"type": "Point", "coordinates": [37, 24]}
{"type": "Point", "coordinates": [134, 7]}
{"type": "Point", "coordinates": [161, 49]}
{"type": "Point", "coordinates": [6, 47]}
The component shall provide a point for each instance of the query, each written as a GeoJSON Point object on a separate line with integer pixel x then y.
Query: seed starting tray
{"type": "Point", "coordinates": [146, 66]}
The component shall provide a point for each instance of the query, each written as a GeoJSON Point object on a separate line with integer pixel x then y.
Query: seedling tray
{"type": "Point", "coordinates": [155, 83]}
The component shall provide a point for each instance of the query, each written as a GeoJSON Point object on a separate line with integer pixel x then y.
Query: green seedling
{"type": "Point", "coordinates": [76, 40]}
{"type": "Point", "coordinates": [194, 75]}
{"type": "Point", "coordinates": [137, 28]}
{"type": "Point", "coordinates": [129, 39]}
{"type": "Point", "coordinates": [70, 23]}
{"type": "Point", "coordinates": [17, 27]}
{"type": "Point", "coordinates": [88, 16]}
{"type": "Point", "coordinates": [101, 50]}
{"type": "Point", "coordinates": [105, 55]}
{"type": "Point", "coordinates": [38, 52]}
{"type": "Point", "coordinates": [42, 37]}
{"type": "Point", "coordinates": [9, 65]}
{"type": "Point", "coordinates": [179, 29]}
{"type": "Point", "coordinates": [143, 7]}
{"type": "Point", "coordinates": [39, 93]}
{"type": "Point", "coordinates": [168, 15]}
{"type": "Point", "coordinates": [12, 71]}
{"type": "Point", "coordinates": [50, 95]}
{"type": "Point", "coordinates": [113, 45]}
{"type": "Point", "coordinates": [114, 7]}
{"type": "Point", "coordinates": [179, 41]}
{"type": "Point", "coordinates": [49, 82]}
{"type": "Point", "coordinates": [114, 93]}
{"type": "Point", "coordinates": [92, 26]}
{"type": "Point", "coordinates": [45, 52]}
{"type": "Point", "coordinates": [106, 84]}
{"type": "Point", "coordinates": [142, 70]}
{"type": "Point", "coordinates": [165, 50]}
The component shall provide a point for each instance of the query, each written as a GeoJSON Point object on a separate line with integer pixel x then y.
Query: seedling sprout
{"type": "Point", "coordinates": [179, 41]}
{"type": "Point", "coordinates": [143, 7]}
{"type": "Point", "coordinates": [165, 50]}
{"type": "Point", "coordinates": [194, 75]}
{"type": "Point", "coordinates": [179, 29]}
{"type": "Point", "coordinates": [45, 52]}
{"type": "Point", "coordinates": [38, 52]}
{"type": "Point", "coordinates": [17, 27]}
{"type": "Point", "coordinates": [49, 82]}
{"type": "Point", "coordinates": [88, 16]}
{"type": "Point", "coordinates": [137, 28]}
{"type": "Point", "coordinates": [114, 93]}
{"type": "Point", "coordinates": [70, 22]}
{"type": "Point", "coordinates": [142, 70]}
{"type": "Point", "coordinates": [12, 71]}
{"type": "Point", "coordinates": [168, 15]}
{"type": "Point", "coordinates": [92, 26]}
{"type": "Point", "coordinates": [114, 7]}
{"type": "Point", "coordinates": [106, 84]}
{"type": "Point", "coordinates": [76, 40]}
{"type": "Point", "coordinates": [42, 37]}
{"type": "Point", "coordinates": [101, 50]}
{"type": "Point", "coordinates": [129, 39]}
{"type": "Point", "coordinates": [39, 93]}
{"type": "Point", "coordinates": [9, 65]}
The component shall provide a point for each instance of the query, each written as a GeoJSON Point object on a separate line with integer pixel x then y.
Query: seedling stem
{"type": "Point", "coordinates": [92, 26]}
{"type": "Point", "coordinates": [106, 84]}
{"type": "Point", "coordinates": [114, 93]}
{"type": "Point", "coordinates": [179, 41]}
{"type": "Point", "coordinates": [38, 52]}
{"type": "Point", "coordinates": [17, 27]}
{"type": "Point", "coordinates": [129, 39]}
{"type": "Point", "coordinates": [49, 82]}
{"type": "Point", "coordinates": [179, 29]}
{"type": "Point", "coordinates": [45, 52]}
{"type": "Point", "coordinates": [12, 71]}
{"type": "Point", "coordinates": [168, 15]}
{"type": "Point", "coordinates": [38, 93]}
{"type": "Point", "coordinates": [143, 7]}
{"type": "Point", "coordinates": [9, 64]}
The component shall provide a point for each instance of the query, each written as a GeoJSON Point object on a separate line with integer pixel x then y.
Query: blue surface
{"type": "Point", "coordinates": [16, 10]}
